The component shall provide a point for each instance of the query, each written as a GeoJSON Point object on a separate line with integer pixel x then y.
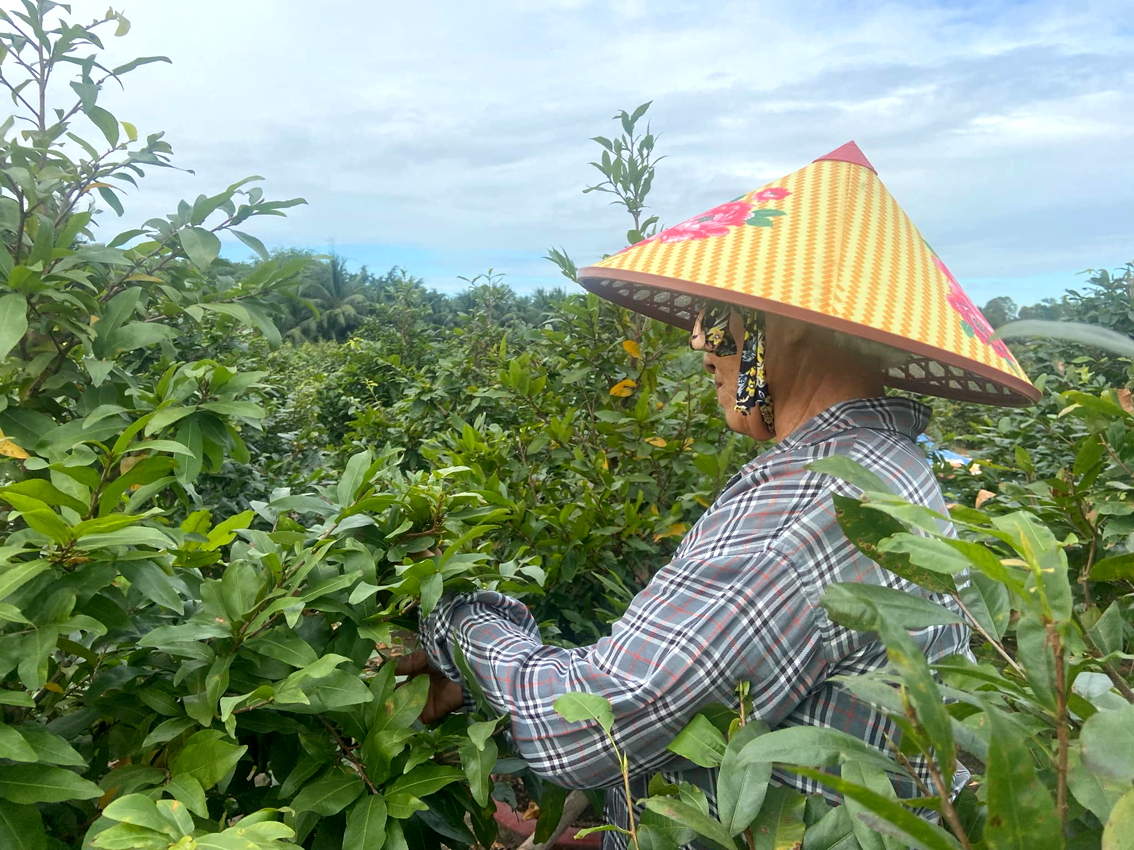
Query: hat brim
{"type": "Point", "coordinates": [928, 371]}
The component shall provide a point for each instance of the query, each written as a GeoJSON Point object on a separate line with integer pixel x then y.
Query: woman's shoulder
{"type": "Point", "coordinates": [776, 497]}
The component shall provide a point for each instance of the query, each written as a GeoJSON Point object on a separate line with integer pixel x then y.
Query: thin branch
{"type": "Point", "coordinates": [348, 752]}
{"type": "Point", "coordinates": [1061, 723]}
{"type": "Point", "coordinates": [995, 643]}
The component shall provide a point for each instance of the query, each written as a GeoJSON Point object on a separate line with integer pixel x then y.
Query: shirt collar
{"type": "Point", "coordinates": [891, 413]}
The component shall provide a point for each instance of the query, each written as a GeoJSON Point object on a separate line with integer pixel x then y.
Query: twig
{"type": "Point", "coordinates": [1060, 724]}
{"type": "Point", "coordinates": [995, 643]}
{"type": "Point", "coordinates": [348, 753]}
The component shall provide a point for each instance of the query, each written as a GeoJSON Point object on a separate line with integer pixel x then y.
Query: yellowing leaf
{"type": "Point", "coordinates": [54, 687]}
{"type": "Point", "coordinates": [149, 278]}
{"type": "Point", "coordinates": [657, 442]}
{"type": "Point", "coordinates": [9, 448]}
{"type": "Point", "coordinates": [97, 185]}
{"type": "Point", "coordinates": [131, 130]}
{"type": "Point", "coordinates": [624, 388]}
{"type": "Point", "coordinates": [632, 348]}
{"type": "Point", "coordinates": [675, 530]}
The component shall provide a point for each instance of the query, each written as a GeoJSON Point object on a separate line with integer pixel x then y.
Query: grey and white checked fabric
{"type": "Point", "coordinates": [738, 601]}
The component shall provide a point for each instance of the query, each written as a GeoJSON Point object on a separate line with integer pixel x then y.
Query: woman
{"type": "Point", "coordinates": [808, 297]}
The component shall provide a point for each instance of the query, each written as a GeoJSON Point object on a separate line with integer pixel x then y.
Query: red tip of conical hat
{"type": "Point", "coordinates": [849, 152]}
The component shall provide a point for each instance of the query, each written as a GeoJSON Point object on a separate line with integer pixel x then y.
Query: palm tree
{"type": "Point", "coordinates": [340, 301]}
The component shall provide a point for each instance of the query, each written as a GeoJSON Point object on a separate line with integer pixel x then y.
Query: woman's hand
{"type": "Point", "coordinates": [444, 698]}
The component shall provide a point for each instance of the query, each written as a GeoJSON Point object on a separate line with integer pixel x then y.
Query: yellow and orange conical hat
{"type": "Point", "coordinates": [829, 245]}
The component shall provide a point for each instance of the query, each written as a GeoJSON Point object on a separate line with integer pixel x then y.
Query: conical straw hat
{"type": "Point", "coordinates": [829, 245]}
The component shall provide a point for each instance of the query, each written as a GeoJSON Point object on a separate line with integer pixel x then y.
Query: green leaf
{"type": "Point", "coordinates": [876, 781]}
{"type": "Point", "coordinates": [1021, 813]}
{"type": "Point", "coordinates": [13, 322]}
{"type": "Point", "coordinates": [139, 810]}
{"type": "Point", "coordinates": [201, 246]}
{"type": "Point", "coordinates": [741, 787]}
{"type": "Point", "coordinates": [21, 827]}
{"type": "Point", "coordinates": [1119, 831]}
{"type": "Point", "coordinates": [257, 246]}
{"type": "Point", "coordinates": [1107, 633]}
{"type": "Point", "coordinates": [1035, 655]}
{"type": "Point", "coordinates": [47, 493]}
{"type": "Point", "coordinates": [135, 335]}
{"type": "Point", "coordinates": [814, 746]}
{"type": "Point", "coordinates": [329, 795]}
{"type": "Point", "coordinates": [833, 831]}
{"type": "Point", "coordinates": [867, 529]}
{"type": "Point", "coordinates": [482, 731]}
{"type": "Point", "coordinates": [700, 742]}
{"type": "Point", "coordinates": [106, 122]}
{"type": "Point", "coordinates": [916, 832]}
{"type": "Point", "coordinates": [337, 690]}
{"type": "Point", "coordinates": [582, 706]}
{"type": "Point", "coordinates": [18, 575]}
{"type": "Point", "coordinates": [366, 824]}
{"type": "Point", "coordinates": [857, 606]}
{"type": "Point", "coordinates": [207, 758]}
{"type": "Point", "coordinates": [424, 780]}
{"type": "Point", "coordinates": [188, 790]}
{"type": "Point", "coordinates": [151, 580]}
{"type": "Point", "coordinates": [922, 692]}
{"type": "Point", "coordinates": [167, 730]}
{"type": "Point", "coordinates": [1108, 743]}
{"type": "Point", "coordinates": [478, 763]}
{"type": "Point", "coordinates": [48, 747]}
{"type": "Point", "coordinates": [550, 811]}
{"type": "Point", "coordinates": [692, 818]}
{"type": "Point", "coordinates": [400, 806]}
{"type": "Point", "coordinates": [42, 784]}
{"type": "Point", "coordinates": [282, 644]}
{"type": "Point", "coordinates": [1114, 568]}
{"type": "Point", "coordinates": [779, 826]}
{"type": "Point", "coordinates": [989, 602]}
{"type": "Point", "coordinates": [855, 474]}
{"type": "Point", "coordinates": [1094, 790]}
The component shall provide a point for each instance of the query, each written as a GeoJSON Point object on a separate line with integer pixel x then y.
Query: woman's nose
{"type": "Point", "coordinates": [707, 362]}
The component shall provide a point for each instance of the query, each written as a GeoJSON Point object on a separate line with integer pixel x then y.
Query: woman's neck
{"type": "Point", "coordinates": [818, 381]}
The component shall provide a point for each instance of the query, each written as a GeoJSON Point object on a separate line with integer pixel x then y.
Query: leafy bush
{"type": "Point", "coordinates": [171, 675]}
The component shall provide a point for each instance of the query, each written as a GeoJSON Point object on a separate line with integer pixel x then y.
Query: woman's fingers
{"type": "Point", "coordinates": [412, 664]}
{"type": "Point", "coordinates": [445, 697]}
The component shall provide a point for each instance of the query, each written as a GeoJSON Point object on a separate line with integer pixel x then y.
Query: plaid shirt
{"type": "Point", "coordinates": [739, 600]}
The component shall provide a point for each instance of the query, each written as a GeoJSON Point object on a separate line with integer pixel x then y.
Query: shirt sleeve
{"type": "Point", "coordinates": [686, 641]}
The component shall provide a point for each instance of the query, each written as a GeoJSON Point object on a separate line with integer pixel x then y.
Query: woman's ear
{"type": "Point", "coordinates": [787, 333]}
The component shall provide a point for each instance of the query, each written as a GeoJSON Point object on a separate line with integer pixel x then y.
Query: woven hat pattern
{"type": "Point", "coordinates": [827, 244]}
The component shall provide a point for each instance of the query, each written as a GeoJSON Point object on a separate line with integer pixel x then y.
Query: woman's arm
{"type": "Point", "coordinates": [686, 641]}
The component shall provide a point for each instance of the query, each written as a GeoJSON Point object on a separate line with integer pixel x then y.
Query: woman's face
{"type": "Point", "coordinates": [725, 371]}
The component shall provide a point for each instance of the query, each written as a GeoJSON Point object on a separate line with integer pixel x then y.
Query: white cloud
{"type": "Point", "coordinates": [1003, 129]}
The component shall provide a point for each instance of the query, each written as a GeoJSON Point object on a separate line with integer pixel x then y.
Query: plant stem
{"type": "Point", "coordinates": [947, 810]}
{"type": "Point", "coordinates": [348, 753]}
{"type": "Point", "coordinates": [1061, 723]}
{"type": "Point", "coordinates": [629, 800]}
{"type": "Point", "coordinates": [995, 643]}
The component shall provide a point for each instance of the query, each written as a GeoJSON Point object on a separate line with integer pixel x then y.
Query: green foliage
{"type": "Point", "coordinates": [215, 542]}
{"type": "Point", "coordinates": [174, 674]}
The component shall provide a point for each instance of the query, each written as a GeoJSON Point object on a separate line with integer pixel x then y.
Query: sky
{"type": "Point", "coordinates": [450, 137]}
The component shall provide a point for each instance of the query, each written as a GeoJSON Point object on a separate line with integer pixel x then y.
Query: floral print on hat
{"type": "Point", "coordinates": [973, 321]}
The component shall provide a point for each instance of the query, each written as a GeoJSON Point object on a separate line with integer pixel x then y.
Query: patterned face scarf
{"type": "Point", "coordinates": [711, 333]}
